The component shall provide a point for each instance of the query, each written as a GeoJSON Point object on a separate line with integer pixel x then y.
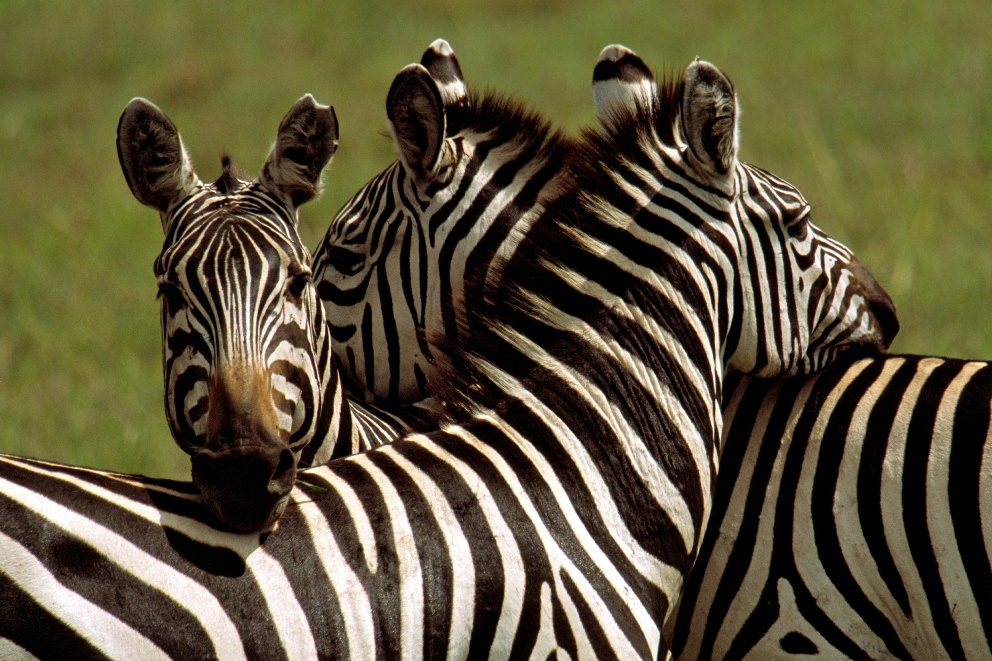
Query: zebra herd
{"type": "Point", "coordinates": [513, 371]}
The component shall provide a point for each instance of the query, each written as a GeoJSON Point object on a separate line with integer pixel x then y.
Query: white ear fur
{"type": "Point", "coordinates": [155, 164]}
{"type": "Point", "coordinates": [621, 83]}
{"type": "Point", "coordinates": [710, 118]}
{"type": "Point", "coordinates": [305, 143]}
{"type": "Point", "coordinates": [416, 116]}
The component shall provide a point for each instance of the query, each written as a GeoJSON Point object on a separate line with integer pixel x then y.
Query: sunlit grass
{"type": "Point", "coordinates": [881, 114]}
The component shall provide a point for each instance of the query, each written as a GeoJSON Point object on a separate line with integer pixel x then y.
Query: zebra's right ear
{"type": "Point", "coordinates": [442, 65]}
{"type": "Point", "coordinates": [621, 83]}
{"type": "Point", "coordinates": [155, 164]}
{"type": "Point", "coordinates": [415, 110]}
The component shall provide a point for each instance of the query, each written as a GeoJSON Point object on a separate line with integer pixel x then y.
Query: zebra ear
{"type": "Point", "coordinates": [442, 65]}
{"type": "Point", "coordinates": [621, 84]}
{"type": "Point", "coordinates": [155, 164]}
{"type": "Point", "coordinates": [416, 115]}
{"type": "Point", "coordinates": [709, 117]}
{"type": "Point", "coordinates": [305, 143]}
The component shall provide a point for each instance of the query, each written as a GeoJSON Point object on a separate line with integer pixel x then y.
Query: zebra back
{"type": "Point", "coordinates": [850, 518]}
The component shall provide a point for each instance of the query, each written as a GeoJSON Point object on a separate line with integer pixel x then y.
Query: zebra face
{"type": "Point", "coordinates": [805, 296]}
{"type": "Point", "coordinates": [237, 306]}
{"type": "Point", "coordinates": [372, 273]}
{"type": "Point", "coordinates": [797, 297]}
{"type": "Point", "coordinates": [396, 265]}
{"type": "Point", "coordinates": [245, 352]}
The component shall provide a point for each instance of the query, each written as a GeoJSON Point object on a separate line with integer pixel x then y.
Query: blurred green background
{"type": "Point", "coordinates": [881, 113]}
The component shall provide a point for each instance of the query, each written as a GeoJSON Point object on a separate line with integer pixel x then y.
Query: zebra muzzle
{"type": "Point", "coordinates": [245, 486]}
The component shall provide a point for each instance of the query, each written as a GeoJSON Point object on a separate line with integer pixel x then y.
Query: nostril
{"type": "Point", "coordinates": [284, 475]}
{"type": "Point", "coordinates": [888, 322]}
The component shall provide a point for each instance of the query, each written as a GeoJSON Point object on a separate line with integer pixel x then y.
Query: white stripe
{"type": "Point", "coordinates": [195, 529]}
{"type": "Point", "coordinates": [892, 498]}
{"type": "Point", "coordinates": [462, 597]}
{"type": "Point", "coordinates": [514, 574]}
{"type": "Point", "coordinates": [287, 614]}
{"type": "Point", "coordinates": [953, 575]}
{"type": "Point", "coordinates": [100, 628]}
{"type": "Point", "coordinates": [411, 580]}
{"type": "Point", "coordinates": [353, 601]}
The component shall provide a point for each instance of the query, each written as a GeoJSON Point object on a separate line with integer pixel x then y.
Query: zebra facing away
{"type": "Point", "coordinates": [250, 385]}
{"type": "Point", "coordinates": [562, 517]}
{"type": "Point", "coordinates": [473, 173]}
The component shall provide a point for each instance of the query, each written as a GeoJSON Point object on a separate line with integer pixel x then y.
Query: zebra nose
{"type": "Point", "coordinates": [880, 304]}
{"type": "Point", "coordinates": [884, 311]}
{"type": "Point", "coordinates": [245, 486]}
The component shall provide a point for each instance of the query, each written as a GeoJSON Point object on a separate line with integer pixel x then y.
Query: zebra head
{"type": "Point", "coordinates": [800, 296]}
{"type": "Point", "coordinates": [472, 174]}
{"type": "Point", "coordinates": [245, 348]}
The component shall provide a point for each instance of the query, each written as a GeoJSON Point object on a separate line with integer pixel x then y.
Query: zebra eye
{"type": "Point", "coordinates": [172, 295]}
{"type": "Point", "coordinates": [345, 261]}
{"type": "Point", "coordinates": [298, 284]}
{"type": "Point", "coordinates": [799, 226]}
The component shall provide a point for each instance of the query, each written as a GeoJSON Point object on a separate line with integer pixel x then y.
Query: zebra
{"type": "Point", "coordinates": [851, 517]}
{"type": "Point", "coordinates": [405, 258]}
{"type": "Point", "coordinates": [561, 511]}
{"type": "Point", "coordinates": [723, 620]}
{"type": "Point", "coordinates": [474, 172]}
{"type": "Point", "coordinates": [251, 390]}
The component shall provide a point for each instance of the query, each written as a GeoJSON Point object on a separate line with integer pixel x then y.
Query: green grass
{"type": "Point", "coordinates": [881, 114]}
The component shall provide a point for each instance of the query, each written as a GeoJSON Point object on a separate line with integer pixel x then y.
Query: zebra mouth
{"type": "Point", "coordinates": [245, 487]}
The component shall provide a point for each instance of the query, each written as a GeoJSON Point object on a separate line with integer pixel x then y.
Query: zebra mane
{"type": "Point", "coordinates": [228, 180]}
{"type": "Point", "coordinates": [509, 121]}
{"type": "Point", "coordinates": [559, 237]}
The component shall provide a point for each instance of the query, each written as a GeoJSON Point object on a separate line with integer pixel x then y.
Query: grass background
{"type": "Point", "coordinates": [881, 113]}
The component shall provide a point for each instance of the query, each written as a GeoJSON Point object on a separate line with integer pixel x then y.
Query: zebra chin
{"type": "Point", "coordinates": [246, 487]}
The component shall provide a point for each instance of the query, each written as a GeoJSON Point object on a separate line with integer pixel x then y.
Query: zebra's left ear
{"type": "Point", "coordinates": [709, 118]}
{"type": "Point", "coordinates": [415, 110]}
{"type": "Point", "coordinates": [621, 84]}
{"type": "Point", "coordinates": [307, 139]}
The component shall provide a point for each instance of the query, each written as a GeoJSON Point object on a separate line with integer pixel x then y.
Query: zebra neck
{"type": "Point", "coordinates": [339, 432]}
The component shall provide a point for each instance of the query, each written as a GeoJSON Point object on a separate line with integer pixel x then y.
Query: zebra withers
{"type": "Point", "coordinates": [473, 173]}
{"type": "Point", "coordinates": [250, 385]}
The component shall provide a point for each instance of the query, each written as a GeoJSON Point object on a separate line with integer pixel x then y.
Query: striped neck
{"type": "Point", "coordinates": [407, 256]}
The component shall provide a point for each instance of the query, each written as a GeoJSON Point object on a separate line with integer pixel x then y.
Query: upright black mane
{"type": "Point", "coordinates": [228, 181]}
{"type": "Point", "coordinates": [510, 122]}
{"type": "Point", "coordinates": [555, 241]}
